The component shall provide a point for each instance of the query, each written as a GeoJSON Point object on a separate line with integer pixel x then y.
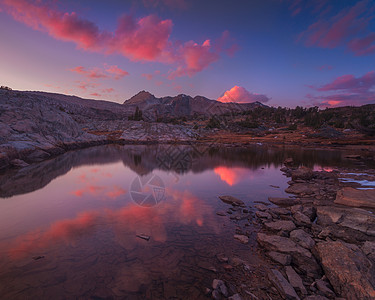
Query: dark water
{"type": "Point", "coordinates": [69, 225]}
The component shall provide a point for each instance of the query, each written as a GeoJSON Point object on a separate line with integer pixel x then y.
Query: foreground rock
{"type": "Point", "coordinates": [350, 272]}
{"type": "Point", "coordinates": [300, 256]}
{"type": "Point", "coordinates": [282, 285]}
{"type": "Point", "coordinates": [356, 198]}
{"type": "Point", "coordinates": [284, 201]}
{"type": "Point", "coordinates": [232, 200]}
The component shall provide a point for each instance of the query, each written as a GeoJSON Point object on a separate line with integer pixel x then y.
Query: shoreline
{"type": "Point", "coordinates": [11, 157]}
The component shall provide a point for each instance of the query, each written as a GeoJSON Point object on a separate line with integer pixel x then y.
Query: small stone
{"type": "Point", "coordinates": [38, 257]}
{"type": "Point", "coordinates": [232, 200]}
{"type": "Point", "coordinates": [242, 238]}
{"type": "Point", "coordinates": [221, 213]}
{"type": "Point", "coordinates": [143, 236]}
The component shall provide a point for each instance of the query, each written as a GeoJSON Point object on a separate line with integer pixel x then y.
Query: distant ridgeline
{"type": "Point", "coordinates": [201, 112]}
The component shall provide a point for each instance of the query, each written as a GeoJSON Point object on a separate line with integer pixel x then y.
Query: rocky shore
{"type": "Point", "coordinates": [320, 242]}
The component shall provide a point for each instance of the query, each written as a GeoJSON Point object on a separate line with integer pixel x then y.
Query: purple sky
{"type": "Point", "coordinates": [280, 52]}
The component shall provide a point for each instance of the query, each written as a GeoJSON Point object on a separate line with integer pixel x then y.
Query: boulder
{"type": "Point", "coordinates": [300, 256]}
{"type": "Point", "coordinates": [281, 258]}
{"type": "Point", "coordinates": [284, 201]}
{"type": "Point", "coordinates": [303, 173]}
{"type": "Point", "coordinates": [356, 219]}
{"type": "Point", "coordinates": [302, 238]}
{"type": "Point", "coordinates": [295, 280]}
{"type": "Point", "coordinates": [282, 285]}
{"type": "Point", "coordinates": [350, 272]}
{"type": "Point", "coordinates": [301, 219]}
{"type": "Point", "coordinates": [232, 200]}
{"type": "Point", "coordinates": [302, 188]}
{"type": "Point", "coordinates": [356, 198]}
{"type": "Point", "coordinates": [280, 226]}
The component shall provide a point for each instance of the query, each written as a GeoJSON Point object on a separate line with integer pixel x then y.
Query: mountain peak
{"type": "Point", "coordinates": [142, 96]}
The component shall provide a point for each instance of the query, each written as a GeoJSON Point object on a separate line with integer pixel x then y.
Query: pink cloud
{"type": "Point", "coordinates": [363, 46]}
{"type": "Point", "coordinates": [116, 72]}
{"type": "Point", "coordinates": [342, 30]}
{"type": "Point", "coordinates": [94, 73]}
{"type": "Point", "coordinates": [108, 91]}
{"type": "Point", "coordinates": [239, 94]}
{"type": "Point", "coordinates": [144, 39]}
{"type": "Point", "coordinates": [113, 72]}
{"type": "Point", "coordinates": [351, 83]}
{"type": "Point", "coordinates": [346, 90]}
{"type": "Point", "coordinates": [148, 76]}
{"type": "Point", "coordinates": [95, 95]}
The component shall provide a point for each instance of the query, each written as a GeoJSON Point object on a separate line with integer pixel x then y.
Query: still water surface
{"type": "Point", "coordinates": [69, 225]}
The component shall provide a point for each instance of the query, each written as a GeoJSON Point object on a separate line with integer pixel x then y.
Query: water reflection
{"type": "Point", "coordinates": [78, 216]}
{"type": "Point", "coordinates": [178, 159]}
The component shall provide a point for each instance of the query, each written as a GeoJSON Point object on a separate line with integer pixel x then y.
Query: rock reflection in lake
{"type": "Point", "coordinates": [70, 226]}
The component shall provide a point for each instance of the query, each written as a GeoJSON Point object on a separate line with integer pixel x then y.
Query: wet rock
{"type": "Point", "coordinates": [280, 226]}
{"type": "Point", "coordinates": [295, 280]}
{"type": "Point", "coordinates": [38, 257]}
{"type": "Point", "coordinates": [232, 200]}
{"type": "Point", "coordinates": [282, 285]}
{"type": "Point", "coordinates": [302, 188]}
{"type": "Point", "coordinates": [356, 198]}
{"type": "Point", "coordinates": [242, 238]}
{"type": "Point", "coordinates": [350, 272]}
{"type": "Point", "coordinates": [303, 173]}
{"type": "Point", "coordinates": [143, 237]}
{"type": "Point", "coordinates": [279, 210]}
{"type": "Point", "coordinates": [300, 256]}
{"type": "Point", "coordinates": [261, 207]}
{"type": "Point", "coordinates": [281, 258]}
{"type": "Point", "coordinates": [325, 288]}
{"type": "Point", "coordinates": [302, 238]}
{"type": "Point", "coordinates": [284, 201]}
{"type": "Point", "coordinates": [263, 215]}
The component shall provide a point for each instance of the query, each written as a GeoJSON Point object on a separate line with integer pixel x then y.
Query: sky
{"type": "Point", "coordinates": [279, 52]}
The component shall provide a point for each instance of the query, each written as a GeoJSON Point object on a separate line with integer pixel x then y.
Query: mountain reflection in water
{"type": "Point", "coordinates": [70, 224]}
